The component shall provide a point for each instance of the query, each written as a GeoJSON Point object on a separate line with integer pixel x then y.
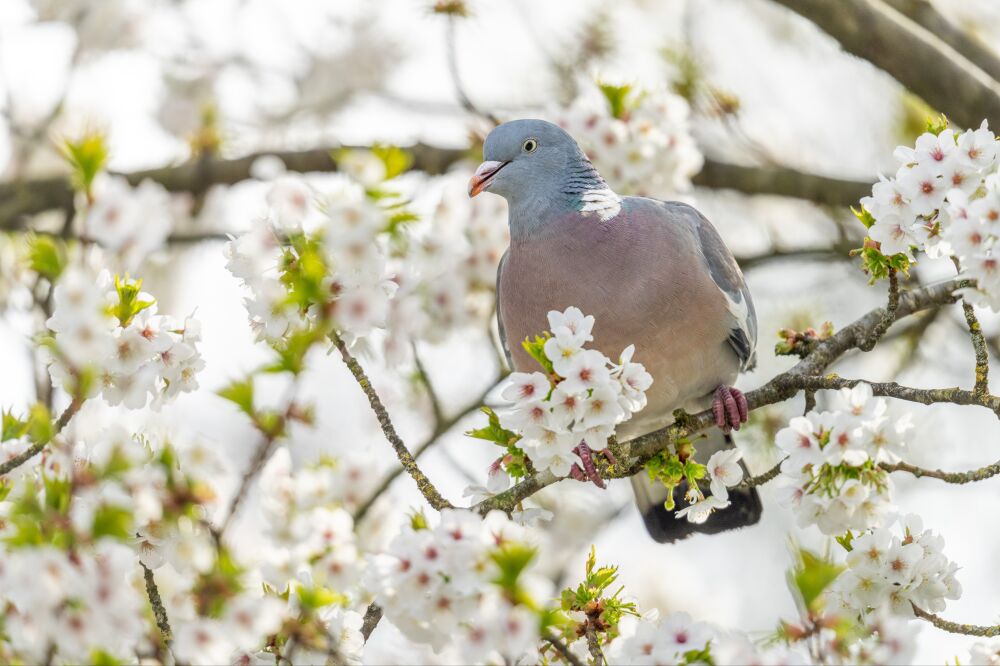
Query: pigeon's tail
{"type": "Point", "coordinates": [663, 525]}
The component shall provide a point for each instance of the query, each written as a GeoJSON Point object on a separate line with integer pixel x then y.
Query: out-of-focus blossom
{"type": "Point", "coordinates": [129, 221]}
{"type": "Point", "coordinates": [644, 147]}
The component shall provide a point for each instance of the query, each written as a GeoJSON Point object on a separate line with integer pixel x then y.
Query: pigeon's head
{"type": "Point", "coordinates": [525, 157]}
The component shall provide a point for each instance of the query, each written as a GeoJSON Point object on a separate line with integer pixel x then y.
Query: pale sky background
{"type": "Point", "coordinates": [812, 108]}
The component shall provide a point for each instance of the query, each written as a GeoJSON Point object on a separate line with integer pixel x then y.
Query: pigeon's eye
{"type": "Point", "coordinates": [530, 145]}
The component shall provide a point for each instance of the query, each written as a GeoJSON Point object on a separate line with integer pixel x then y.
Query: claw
{"type": "Point", "coordinates": [610, 456]}
{"type": "Point", "coordinates": [741, 404]}
{"type": "Point", "coordinates": [730, 408]}
{"type": "Point", "coordinates": [587, 459]}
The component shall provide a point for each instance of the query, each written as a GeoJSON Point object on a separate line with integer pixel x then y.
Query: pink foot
{"type": "Point", "coordinates": [730, 408]}
{"type": "Point", "coordinates": [589, 471]}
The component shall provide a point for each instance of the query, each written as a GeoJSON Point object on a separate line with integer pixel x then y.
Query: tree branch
{"type": "Point", "coordinates": [406, 459]}
{"type": "Point", "coordinates": [924, 14]}
{"type": "Point", "coordinates": [22, 199]}
{"type": "Point", "coordinates": [781, 181]}
{"type": "Point", "coordinates": [912, 55]}
{"type": "Point", "coordinates": [637, 452]}
{"type": "Point", "coordinates": [563, 649]}
{"type": "Point", "coordinates": [982, 385]}
{"type": "Point", "coordinates": [955, 627]}
{"type": "Point", "coordinates": [834, 253]}
{"type": "Point", "coordinates": [159, 611]}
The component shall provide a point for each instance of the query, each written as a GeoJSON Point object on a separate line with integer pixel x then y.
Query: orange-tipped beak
{"type": "Point", "coordinates": [483, 176]}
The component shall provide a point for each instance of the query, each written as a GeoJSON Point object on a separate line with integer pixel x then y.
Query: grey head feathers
{"type": "Point", "coordinates": [544, 172]}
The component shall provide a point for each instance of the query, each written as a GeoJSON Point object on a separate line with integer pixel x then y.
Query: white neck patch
{"type": "Point", "coordinates": [604, 202]}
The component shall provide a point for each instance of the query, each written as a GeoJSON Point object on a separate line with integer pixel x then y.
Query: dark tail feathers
{"type": "Point", "coordinates": [663, 525]}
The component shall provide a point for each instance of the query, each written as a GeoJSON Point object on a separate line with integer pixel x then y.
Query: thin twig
{"type": "Point", "coordinates": [960, 478]}
{"type": "Point", "coordinates": [260, 457]}
{"type": "Point", "coordinates": [37, 448]}
{"type": "Point", "coordinates": [563, 649]}
{"type": "Point", "coordinates": [888, 315]}
{"type": "Point", "coordinates": [425, 379]}
{"type": "Point", "coordinates": [440, 430]}
{"type": "Point", "coordinates": [457, 80]}
{"type": "Point", "coordinates": [406, 459]}
{"type": "Point", "coordinates": [988, 631]}
{"type": "Point", "coordinates": [159, 611]}
{"type": "Point", "coordinates": [761, 479]}
{"type": "Point", "coordinates": [980, 474]}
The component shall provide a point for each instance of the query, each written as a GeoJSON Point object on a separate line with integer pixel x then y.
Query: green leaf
{"type": "Point", "coordinates": [12, 428]}
{"type": "Point", "coordinates": [812, 576]}
{"type": "Point", "coordinates": [46, 256]}
{"type": "Point", "coordinates": [293, 350]}
{"type": "Point", "coordinates": [40, 428]}
{"type": "Point", "coordinates": [58, 493]}
{"type": "Point", "coordinates": [399, 219]}
{"type": "Point", "coordinates": [112, 521]}
{"type": "Point", "coordinates": [937, 125]}
{"type": "Point", "coordinates": [494, 432]}
{"type": "Point", "coordinates": [418, 521]}
{"type": "Point", "coordinates": [512, 559]}
{"type": "Point", "coordinates": [877, 265]}
{"type": "Point", "coordinates": [864, 216]}
{"type": "Point", "coordinates": [314, 598]}
{"type": "Point", "coordinates": [102, 658]}
{"type": "Point", "coordinates": [241, 394]}
{"type": "Point", "coordinates": [129, 304]}
{"type": "Point", "coordinates": [395, 159]}
{"type": "Point", "coordinates": [846, 541]}
{"type": "Point", "coordinates": [536, 350]}
{"type": "Point", "coordinates": [689, 77]}
{"type": "Point", "coordinates": [617, 98]}
{"type": "Point", "coordinates": [86, 156]}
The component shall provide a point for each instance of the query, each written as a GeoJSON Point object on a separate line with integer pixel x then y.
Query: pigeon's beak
{"type": "Point", "coordinates": [484, 176]}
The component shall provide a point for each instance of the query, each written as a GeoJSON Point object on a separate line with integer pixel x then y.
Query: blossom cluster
{"type": "Point", "coordinates": [944, 200]}
{"type": "Point", "coordinates": [831, 473]}
{"type": "Point", "coordinates": [448, 273]}
{"type": "Point", "coordinates": [76, 604]}
{"type": "Point", "coordinates": [641, 141]}
{"type": "Point", "coordinates": [724, 472]}
{"type": "Point", "coordinates": [893, 570]}
{"type": "Point", "coordinates": [110, 328]}
{"type": "Point", "coordinates": [320, 255]}
{"type": "Point", "coordinates": [581, 399]}
{"type": "Point", "coordinates": [310, 535]}
{"type": "Point", "coordinates": [76, 525]}
{"type": "Point", "coordinates": [678, 639]}
{"type": "Point", "coordinates": [439, 584]}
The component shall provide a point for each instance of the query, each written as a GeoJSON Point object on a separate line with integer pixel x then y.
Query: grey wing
{"type": "Point", "coordinates": [500, 329]}
{"type": "Point", "coordinates": [728, 277]}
